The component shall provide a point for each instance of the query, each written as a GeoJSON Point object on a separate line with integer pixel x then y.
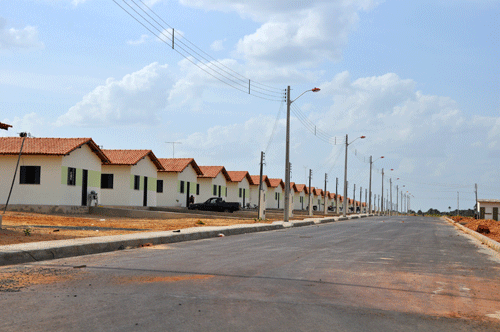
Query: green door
{"type": "Point", "coordinates": [495, 213]}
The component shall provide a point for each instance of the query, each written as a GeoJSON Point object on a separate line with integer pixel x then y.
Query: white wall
{"type": "Point", "coordinates": [206, 187]}
{"type": "Point", "coordinates": [297, 205]}
{"type": "Point", "coordinates": [254, 194]}
{"type": "Point", "coordinates": [233, 191]}
{"type": "Point", "coordinates": [271, 202]}
{"type": "Point", "coordinates": [48, 192]}
{"type": "Point", "coordinates": [171, 195]}
{"type": "Point", "coordinates": [120, 194]}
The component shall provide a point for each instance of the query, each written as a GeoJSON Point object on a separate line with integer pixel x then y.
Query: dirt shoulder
{"type": "Point", "coordinates": [42, 227]}
{"type": "Point", "coordinates": [471, 223]}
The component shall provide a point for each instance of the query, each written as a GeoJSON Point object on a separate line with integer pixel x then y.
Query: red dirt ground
{"type": "Point", "coordinates": [472, 223]}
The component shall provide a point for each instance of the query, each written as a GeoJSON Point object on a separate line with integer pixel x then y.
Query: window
{"type": "Point", "coordinates": [182, 187]}
{"type": "Point", "coordinates": [215, 190]}
{"type": "Point", "coordinates": [197, 189]}
{"type": "Point", "coordinates": [137, 182]}
{"type": "Point", "coordinates": [159, 186]}
{"type": "Point", "coordinates": [240, 192]}
{"type": "Point", "coordinates": [107, 181]}
{"type": "Point", "coordinates": [29, 175]}
{"type": "Point", "coordinates": [71, 176]}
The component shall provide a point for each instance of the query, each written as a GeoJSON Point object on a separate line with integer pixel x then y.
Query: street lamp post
{"type": "Point", "coordinates": [287, 153]}
{"type": "Point", "coordinates": [370, 189]}
{"type": "Point", "coordinates": [345, 172]}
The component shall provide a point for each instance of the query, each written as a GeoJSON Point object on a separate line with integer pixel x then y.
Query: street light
{"type": "Point", "coordinates": [287, 153]}
{"type": "Point", "coordinates": [345, 173]}
{"type": "Point", "coordinates": [370, 190]}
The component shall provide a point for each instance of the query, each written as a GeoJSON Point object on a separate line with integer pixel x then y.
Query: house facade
{"type": "Point", "coordinates": [299, 197]}
{"type": "Point", "coordinates": [238, 187]}
{"type": "Point", "coordinates": [488, 208]}
{"type": "Point", "coordinates": [52, 171]}
{"type": "Point", "coordinates": [177, 182]}
{"type": "Point", "coordinates": [129, 179]}
{"type": "Point", "coordinates": [275, 194]}
{"type": "Point", "coordinates": [254, 189]}
{"type": "Point", "coordinates": [213, 182]}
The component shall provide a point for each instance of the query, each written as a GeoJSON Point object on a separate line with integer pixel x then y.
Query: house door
{"type": "Point", "coordinates": [482, 211]}
{"type": "Point", "coordinates": [220, 189]}
{"type": "Point", "coordinates": [85, 176]}
{"type": "Point", "coordinates": [495, 213]}
{"type": "Point", "coordinates": [188, 186]}
{"type": "Point", "coordinates": [145, 197]}
{"type": "Point", "coordinates": [244, 197]}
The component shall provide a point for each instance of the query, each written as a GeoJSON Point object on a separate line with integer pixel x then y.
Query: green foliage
{"type": "Point", "coordinates": [27, 232]}
{"type": "Point", "coordinates": [199, 222]}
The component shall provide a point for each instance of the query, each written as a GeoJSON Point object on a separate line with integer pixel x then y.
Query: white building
{"type": "Point", "coordinates": [238, 187]}
{"type": "Point", "coordinates": [254, 189]}
{"type": "Point", "coordinates": [213, 182]}
{"type": "Point", "coordinates": [129, 179]}
{"type": "Point", "coordinates": [276, 194]}
{"type": "Point", "coordinates": [177, 182]}
{"type": "Point", "coordinates": [299, 197]}
{"type": "Point", "coordinates": [488, 208]}
{"type": "Point", "coordinates": [52, 171]}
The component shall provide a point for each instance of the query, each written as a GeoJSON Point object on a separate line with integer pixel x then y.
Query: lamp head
{"type": "Point", "coordinates": [363, 137]}
{"type": "Point", "coordinates": [315, 89]}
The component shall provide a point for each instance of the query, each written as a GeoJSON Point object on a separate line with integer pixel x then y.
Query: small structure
{"type": "Point", "coordinates": [254, 189]}
{"type": "Point", "coordinates": [53, 171]}
{"type": "Point", "coordinates": [299, 199]}
{"type": "Point", "coordinates": [5, 126]}
{"type": "Point", "coordinates": [129, 179]}
{"type": "Point", "coordinates": [213, 182]}
{"type": "Point", "coordinates": [488, 208]}
{"type": "Point", "coordinates": [276, 194]}
{"type": "Point", "coordinates": [238, 187]}
{"type": "Point", "coordinates": [177, 182]}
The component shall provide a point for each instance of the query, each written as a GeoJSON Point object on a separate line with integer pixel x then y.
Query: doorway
{"type": "Point", "coordinates": [85, 176]}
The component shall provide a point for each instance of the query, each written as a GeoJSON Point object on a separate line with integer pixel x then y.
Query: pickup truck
{"type": "Point", "coordinates": [215, 204]}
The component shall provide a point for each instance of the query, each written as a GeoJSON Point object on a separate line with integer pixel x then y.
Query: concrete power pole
{"type": "Point", "coordinates": [325, 198]}
{"type": "Point", "coordinates": [390, 205]}
{"type": "Point", "coordinates": [382, 197]}
{"type": "Point", "coordinates": [337, 196]}
{"type": "Point", "coordinates": [262, 210]}
{"type": "Point", "coordinates": [354, 199]}
{"type": "Point", "coordinates": [310, 200]}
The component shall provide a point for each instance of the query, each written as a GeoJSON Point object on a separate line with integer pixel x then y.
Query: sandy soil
{"type": "Point", "coordinates": [472, 223]}
{"type": "Point", "coordinates": [44, 227]}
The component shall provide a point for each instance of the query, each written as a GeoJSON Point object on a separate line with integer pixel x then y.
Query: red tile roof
{"type": "Point", "coordinates": [179, 164]}
{"type": "Point", "coordinates": [131, 157]}
{"type": "Point", "coordinates": [213, 171]}
{"type": "Point", "coordinates": [238, 176]}
{"type": "Point", "coordinates": [5, 126]}
{"type": "Point", "coordinates": [276, 182]}
{"type": "Point", "coordinates": [300, 187]}
{"type": "Point", "coordinates": [48, 146]}
{"type": "Point", "coordinates": [256, 180]}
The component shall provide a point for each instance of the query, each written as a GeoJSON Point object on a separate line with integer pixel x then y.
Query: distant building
{"type": "Point", "coordinates": [488, 208]}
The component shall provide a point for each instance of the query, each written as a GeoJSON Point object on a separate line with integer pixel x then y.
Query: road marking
{"type": "Point", "coordinates": [495, 315]}
{"type": "Point", "coordinates": [387, 258]}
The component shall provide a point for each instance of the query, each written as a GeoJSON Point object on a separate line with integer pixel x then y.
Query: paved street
{"type": "Point", "coordinates": [372, 274]}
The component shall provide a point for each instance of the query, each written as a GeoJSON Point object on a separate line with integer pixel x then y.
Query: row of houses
{"type": "Point", "coordinates": [64, 171]}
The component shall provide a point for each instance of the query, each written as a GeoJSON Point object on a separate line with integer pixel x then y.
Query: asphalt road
{"type": "Point", "coordinates": [371, 274]}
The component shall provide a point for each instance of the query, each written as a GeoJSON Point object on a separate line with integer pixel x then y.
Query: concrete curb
{"type": "Point", "coordinates": [47, 250]}
{"type": "Point", "coordinates": [483, 239]}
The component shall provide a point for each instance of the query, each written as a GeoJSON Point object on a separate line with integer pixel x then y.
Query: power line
{"type": "Point", "coordinates": [212, 67]}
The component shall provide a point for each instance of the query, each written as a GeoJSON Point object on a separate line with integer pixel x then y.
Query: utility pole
{"type": "Point", "coordinates": [262, 210]}
{"type": "Point", "coordinates": [310, 200]}
{"type": "Point", "coordinates": [360, 199]}
{"type": "Point", "coordinates": [326, 180]}
{"type": "Point", "coordinates": [370, 186]}
{"type": "Point", "coordinates": [477, 209]}
{"type": "Point", "coordinates": [354, 199]}
{"type": "Point", "coordinates": [173, 147]}
{"type": "Point", "coordinates": [382, 199]}
{"type": "Point", "coordinates": [366, 198]}
{"type": "Point", "coordinates": [337, 195]}
{"type": "Point", "coordinates": [345, 178]}
{"type": "Point", "coordinates": [390, 186]}
{"type": "Point", "coordinates": [397, 200]}
{"type": "Point", "coordinates": [287, 157]}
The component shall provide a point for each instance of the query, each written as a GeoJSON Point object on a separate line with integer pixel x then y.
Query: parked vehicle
{"type": "Point", "coordinates": [215, 204]}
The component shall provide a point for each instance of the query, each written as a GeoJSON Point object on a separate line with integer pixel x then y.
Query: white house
{"type": "Point", "coordinates": [177, 182]}
{"type": "Point", "coordinates": [299, 197]}
{"type": "Point", "coordinates": [276, 194]}
{"type": "Point", "coordinates": [52, 171]}
{"type": "Point", "coordinates": [213, 182]}
{"type": "Point", "coordinates": [129, 179]}
{"type": "Point", "coordinates": [254, 188]}
{"type": "Point", "coordinates": [488, 208]}
{"type": "Point", "coordinates": [238, 187]}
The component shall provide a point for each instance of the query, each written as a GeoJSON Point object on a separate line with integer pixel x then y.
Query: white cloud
{"type": "Point", "coordinates": [26, 38]}
{"type": "Point", "coordinates": [139, 41]}
{"type": "Point", "coordinates": [136, 99]}
{"type": "Point", "coordinates": [30, 123]}
{"type": "Point", "coordinates": [300, 33]}
{"type": "Point", "coordinates": [217, 45]}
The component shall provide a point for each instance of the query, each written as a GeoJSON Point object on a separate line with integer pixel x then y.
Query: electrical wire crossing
{"type": "Point", "coordinates": [152, 22]}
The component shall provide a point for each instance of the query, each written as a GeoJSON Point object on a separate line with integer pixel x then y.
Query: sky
{"type": "Point", "coordinates": [419, 79]}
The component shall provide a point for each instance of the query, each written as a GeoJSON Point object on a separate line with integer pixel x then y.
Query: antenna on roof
{"type": "Point", "coordinates": [173, 147]}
